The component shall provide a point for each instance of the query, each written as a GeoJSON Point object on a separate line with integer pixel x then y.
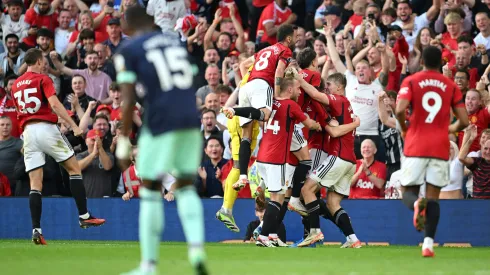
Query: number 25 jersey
{"type": "Point", "coordinates": [431, 96]}
{"type": "Point", "coordinates": [266, 62]}
{"type": "Point", "coordinates": [278, 131]}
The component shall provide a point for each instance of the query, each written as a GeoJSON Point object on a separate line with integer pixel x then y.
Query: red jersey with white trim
{"type": "Point", "coordinates": [266, 62]}
{"type": "Point", "coordinates": [278, 131]}
{"type": "Point", "coordinates": [431, 96]}
{"type": "Point", "coordinates": [31, 92]}
{"type": "Point", "coordinates": [272, 13]}
{"type": "Point", "coordinates": [341, 110]}
{"type": "Point", "coordinates": [364, 188]}
{"type": "Point", "coordinates": [313, 78]}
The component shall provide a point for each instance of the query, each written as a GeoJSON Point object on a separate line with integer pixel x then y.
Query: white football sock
{"type": "Point", "coordinates": [428, 243]}
{"type": "Point", "coordinates": [352, 237]}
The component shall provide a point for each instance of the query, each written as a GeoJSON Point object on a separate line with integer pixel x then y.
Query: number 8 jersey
{"type": "Point", "coordinates": [31, 92]}
{"type": "Point", "coordinates": [266, 62]}
{"type": "Point", "coordinates": [431, 96]}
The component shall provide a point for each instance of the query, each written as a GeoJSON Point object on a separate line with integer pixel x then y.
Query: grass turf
{"type": "Point", "coordinates": [74, 257]}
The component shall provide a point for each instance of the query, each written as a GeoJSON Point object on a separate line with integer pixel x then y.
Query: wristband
{"type": "Point", "coordinates": [123, 149]}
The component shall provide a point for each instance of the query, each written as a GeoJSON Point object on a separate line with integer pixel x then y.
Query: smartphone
{"type": "Point", "coordinates": [110, 4]}
{"type": "Point", "coordinates": [371, 16]}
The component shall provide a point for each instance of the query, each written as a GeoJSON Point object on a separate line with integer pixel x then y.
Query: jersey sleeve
{"type": "Point", "coordinates": [457, 100]}
{"type": "Point", "coordinates": [405, 90]}
{"type": "Point", "coordinates": [125, 65]}
{"type": "Point", "coordinates": [47, 86]}
{"type": "Point", "coordinates": [29, 17]}
{"type": "Point", "coordinates": [296, 112]}
{"type": "Point", "coordinates": [335, 104]}
{"type": "Point", "coordinates": [322, 116]}
{"type": "Point", "coordinates": [268, 15]}
{"type": "Point", "coordinates": [286, 56]}
{"type": "Point", "coordinates": [315, 79]}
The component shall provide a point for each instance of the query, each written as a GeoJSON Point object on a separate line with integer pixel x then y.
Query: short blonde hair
{"type": "Point", "coordinates": [452, 17]}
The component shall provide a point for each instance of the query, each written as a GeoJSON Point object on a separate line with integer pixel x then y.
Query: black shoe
{"type": "Point", "coordinates": [90, 222]}
{"type": "Point", "coordinates": [201, 269]}
{"type": "Point", "coordinates": [38, 239]}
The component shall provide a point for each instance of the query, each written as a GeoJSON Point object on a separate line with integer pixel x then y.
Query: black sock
{"type": "Point", "coordinates": [432, 218]}
{"type": "Point", "coordinates": [325, 213]}
{"type": "Point", "coordinates": [244, 156]}
{"type": "Point", "coordinates": [313, 212]}
{"type": "Point", "coordinates": [78, 193]}
{"type": "Point", "coordinates": [342, 220]}
{"type": "Point", "coordinates": [36, 206]}
{"type": "Point", "coordinates": [270, 218]}
{"type": "Point", "coordinates": [409, 199]}
{"type": "Point", "coordinates": [306, 225]}
{"type": "Point", "coordinates": [282, 212]}
{"type": "Point", "coordinates": [249, 112]}
{"type": "Point", "coordinates": [299, 176]}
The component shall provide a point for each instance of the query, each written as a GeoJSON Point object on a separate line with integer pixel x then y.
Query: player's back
{"type": "Point", "coordinates": [31, 92]}
{"type": "Point", "coordinates": [266, 61]}
{"type": "Point", "coordinates": [313, 78]}
{"type": "Point", "coordinates": [161, 64]}
{"type": "Point", "coordinates": [343, 146]}
{"type": "Point", "coordinates": [278, 131]}
{"type": "Point", "coordinates": [431, 96]}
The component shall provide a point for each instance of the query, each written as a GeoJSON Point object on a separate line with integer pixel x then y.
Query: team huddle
{"type": "Point", "coordinates": [308, 138]}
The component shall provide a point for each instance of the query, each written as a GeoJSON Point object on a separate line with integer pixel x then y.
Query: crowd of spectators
{"type": "Point", "coordinates": [375, 43]}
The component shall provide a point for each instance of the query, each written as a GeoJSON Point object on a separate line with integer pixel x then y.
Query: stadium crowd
{"type": "Point", "coordinates": [78, 39]}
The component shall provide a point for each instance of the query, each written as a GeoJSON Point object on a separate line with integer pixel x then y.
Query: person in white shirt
{"type": "Point", "coordinates": [482, 23]}
{"type": "Point", "coordinates": [166, 12]}
{"type": "Point", "coordinates": [14, 22]}
{"type": "Point", "coordinates": [63, 32]}
{"type": "Point", "coordinates": [362, 93]}
{"type": "Point", "coordinates": [410, 24]}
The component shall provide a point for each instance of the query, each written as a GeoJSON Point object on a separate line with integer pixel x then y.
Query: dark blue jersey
{"type": "Point", "coordinates": [160, 63]}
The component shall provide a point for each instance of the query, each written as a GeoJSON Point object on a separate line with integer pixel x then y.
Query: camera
{"type": "Point", "coordinates": [371, 16]}
{"type": "Point", "coordinates": [110, 4]}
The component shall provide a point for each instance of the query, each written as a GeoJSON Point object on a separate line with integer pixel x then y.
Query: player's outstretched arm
{"type": "Point", "coordinates": [344, 129]}
{"type": "Point", "coordinates": [312, 125]}
{"type": "Point", "coordinates": [312, 91]}
{"type": "Point", "coordinates": [60, 110]}
{"type": "Point", "coordinates": [462, 122]}
{"type": "Point", "coordinates": [470, 134]}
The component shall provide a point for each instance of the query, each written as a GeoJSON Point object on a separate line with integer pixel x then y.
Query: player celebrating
{"type": "Point", "coordinates": [337, 170]}
{"type": "Point", "coordinates": [255, 97]}
{"type": "Point", "coordinates": [431, 96]}
{"type": "Point", "coordinates": [35, 96]}
{"type": "Point", "coordinates": [170, 140]}
{"type": "Point", "coordinates": [273, 154]}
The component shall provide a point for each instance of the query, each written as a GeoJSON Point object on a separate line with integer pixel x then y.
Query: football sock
{"type": "Point", "coordinates": [409, 199]}
{"type": "Point", "coordinates": [150, 225]}
{"type": "Point", "coordinates": [36, 206]}
{"type": "Point", "coordinates": [244, 154]}
{"type": "Point", "coordinates": [282, 212]}
{"type": "Point", "coordinates": [313, 212]}
{"type": "Point", "coordinates": [342, 220]}
{"type": "Point", "coordinates": [190, 210]}
{"type": "Point", "coordinates": [432, 218]}
{"type": "Point", "coordinates": [270, 218]}
{"type": "Point", "coordinates": [428, 243]}
{"type": "Point", "coordinates": [78, 193]}
{"type": "Point", "coordinates": [230, 193]}
{"type": "Point", "coordinates": [250, 112]}
{"type": "Point", "coordinates": [300, 176]}
{"type": "Point", "coordinates": [306, 225]}
{"type": "Point", "coordinates": [324, 212]}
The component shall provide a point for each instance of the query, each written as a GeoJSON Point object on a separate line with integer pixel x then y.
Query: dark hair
{"type": "Point", "coordinates": [62, 10]}
{"type": "Point", "coordinates": [466, 39]}
{"type": "Point", "coordinates": [91, 52]}
{"type": "Point", "coordinates": [390, 12]}
{"type": "Point", "coordinates": [32, 56]}
{"type": "Point", "coordinates": [227, 34]}
{"type": "Point", "coordinates": [44, 32]}
{"type": "Point", "coordinates": [8, 78]}
{"type": "Point", "coordinates": [392, 94]}
{"type": "Point", "coordinates": [15, 3]}
{"type": "Point", "coordinates": [101, 116]}
{"type": "Point", "coordinates": [223, 88]}
{"type": "Point", "coordinates": [11, 35]}
{"type": "Point", "coordinates": [136, 16]}
{"type": "Point", "coordinates": [206, 110]}
{"type": "Point", "coordinates": [432, 57]}
{"type": "Point", "coordinates": [321, 38]}
{"type": "Point", "coordinates": [86, 34]}
{"type": "Point", "coordinates": [114, 86]}
{"type": "Point", "coordinates": [465, 71]}
{"type": "Point", "coordinates": [338, 78]}
{"type": "Point", "coordinates": [373, 5]}
{"type": "Point", "coordinates": [79, 75]}
{"type": "Point", "coordinates": [215, 138]}
{"type": "Point", "coordinates": [305, 57]}
{"type": "Point", "coordinates": [284, 31]}
{"type": "Point", "coordinates": [404, 2]}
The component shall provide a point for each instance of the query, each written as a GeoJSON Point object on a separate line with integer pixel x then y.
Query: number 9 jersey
{"type": "Point", "coordinates": [431, 96]}
{"type": "Point", "coordinates": [31, 92]}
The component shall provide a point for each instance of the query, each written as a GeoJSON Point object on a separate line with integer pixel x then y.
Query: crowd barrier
{"type": "Point", "coordinates": [385, 221]}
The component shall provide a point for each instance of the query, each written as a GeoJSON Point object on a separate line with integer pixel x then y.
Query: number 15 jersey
{"type": "Point", "coordinates": [160, 63]}
{"type": "Point", "coordinates": [431, 96]}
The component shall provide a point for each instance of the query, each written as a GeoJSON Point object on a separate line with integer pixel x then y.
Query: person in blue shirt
{"type": "Point", "coordinates": [169, 140]}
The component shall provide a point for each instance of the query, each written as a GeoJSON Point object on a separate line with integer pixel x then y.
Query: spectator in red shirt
{"type": "Point", "coordinates": [369, 180]}
{"type": "Point", "coordinates": [477, 115]}
{"type": "Point", "coordinates": [274, 15]}
{"type": "Point", "coordinates": [7, 106]}
{"type": "Point", "coordinates": [102, 18]}
{"type": "Point", "coordinates": [462, 63]}
{"type": "Point", "coordinates": [449, 39]}
{"type": "Point", "coordinates": [85, 21]}
{"type": "Point", "coordinates": [42, 15]}
{"type": "Point", "coordinates": [4, 186]}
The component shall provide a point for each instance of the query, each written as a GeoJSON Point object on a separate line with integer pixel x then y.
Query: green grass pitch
{"type": "Point", "coordinates": [76, 257]}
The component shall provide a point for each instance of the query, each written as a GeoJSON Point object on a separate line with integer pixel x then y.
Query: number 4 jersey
{"type": "Point", "coordinates": [31, 92]}
{"type": "Point", "coordinates": [431, 97]}
{"type": "Point", "coordinates": [161, 64]}
{"type": "Point", "coordinates": [278, 131]}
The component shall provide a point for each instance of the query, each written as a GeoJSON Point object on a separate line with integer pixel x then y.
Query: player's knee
{"type": "Point", "coordinates": [309, 187]}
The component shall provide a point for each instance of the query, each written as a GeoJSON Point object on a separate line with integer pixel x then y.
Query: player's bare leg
{"type": "Point", "coordinates": [36, 205]}
{"type": "Point", "coordinates": [432, 214]}
{"type": "Point", "coordinates": [341, 219]}
{"type": "Point", "coordinates": [313, 205]}
{"type": "Point", "coordinates": [299, 178]}
{"type": "Point", "coordinates": [78, 192]}
{"type": "Point", "coordinates": [268, 236]}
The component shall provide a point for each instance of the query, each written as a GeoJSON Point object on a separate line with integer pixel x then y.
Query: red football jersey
{"type": "Point", "coordinates": [266, 62]}
{"type": "Point", "coordinates": [278, 131]}
{"type": "Point", "coordinates": [364, 188]}
{"type": "Point", "coordinates": [481, 119]}
{"type": "Point", "coordinates": [313, 78]}
{"type": "Point", "coordinates": [342, 147]}
{"type": "Point", "coordinates": [318, 140]}
{"type": "Point", "coordinates": [431, 97]}
{"type": "Point", "coordinates": [31, 92]}
{"type": "Point", "coordinates": [272, 13]}
{"type": "Point", "coordinates": [33, 18]}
